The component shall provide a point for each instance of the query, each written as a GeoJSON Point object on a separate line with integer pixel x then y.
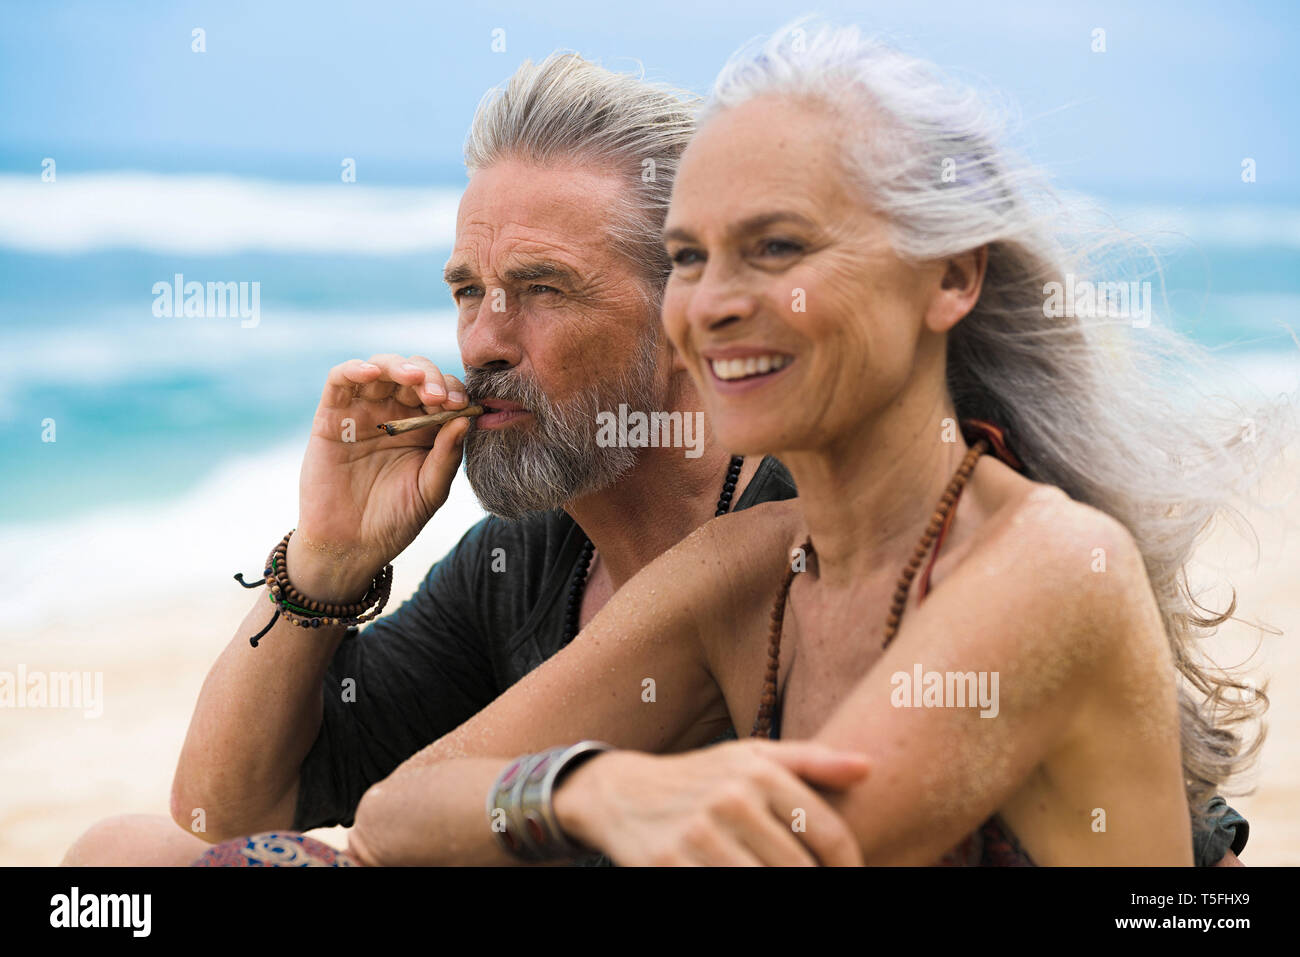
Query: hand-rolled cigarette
{"type": "Point", "coordinates": [398, 426]}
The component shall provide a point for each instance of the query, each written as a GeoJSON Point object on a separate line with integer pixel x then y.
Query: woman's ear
{"type": "Point", "coordinates": [959, 289]}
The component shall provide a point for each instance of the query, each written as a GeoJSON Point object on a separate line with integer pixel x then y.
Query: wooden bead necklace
{"type": "Point", "coordinates": [938, 521]}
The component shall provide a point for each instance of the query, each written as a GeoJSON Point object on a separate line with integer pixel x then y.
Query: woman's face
{"type": "Point", "coordinates": [785, 301]}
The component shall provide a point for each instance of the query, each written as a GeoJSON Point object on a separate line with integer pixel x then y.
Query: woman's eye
{"type": "Point", "coordinates": [779, 247]}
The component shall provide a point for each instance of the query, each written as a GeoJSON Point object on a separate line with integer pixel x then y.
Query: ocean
{"type": "Point", "coordinates": [171, 427]}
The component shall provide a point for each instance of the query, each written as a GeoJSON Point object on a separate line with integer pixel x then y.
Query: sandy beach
{"type": "Point", "coordinates": [62, 770]}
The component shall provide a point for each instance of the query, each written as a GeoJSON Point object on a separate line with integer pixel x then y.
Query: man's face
{"type": "Point", "coordinates": [554, 326]}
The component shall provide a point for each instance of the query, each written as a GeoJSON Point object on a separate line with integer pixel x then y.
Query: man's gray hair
{"type": "Point", "coordinates": [567, 109]}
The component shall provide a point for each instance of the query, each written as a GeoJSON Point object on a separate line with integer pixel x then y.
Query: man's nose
{"type": "Point", "coordinates": [488, 339]}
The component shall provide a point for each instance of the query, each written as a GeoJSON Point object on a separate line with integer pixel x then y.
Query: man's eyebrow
{"type": "Point", "coordinates": [457, 274]}
{"type": "Point", "coordinates": [525, 272]}
{"type": "Point", "coordinates": [752, 224]}
{"type": "Point", "coordinates": [542, 269]}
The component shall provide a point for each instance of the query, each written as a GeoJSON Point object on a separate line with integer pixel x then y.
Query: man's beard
{"type": "Point", "coordinates": [554, 459]}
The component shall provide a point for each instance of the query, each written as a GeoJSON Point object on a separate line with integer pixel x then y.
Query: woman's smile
{"type": "Point", "coordinates": [737, 370]}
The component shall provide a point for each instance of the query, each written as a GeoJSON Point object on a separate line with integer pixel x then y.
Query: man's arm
{"type": "Point", "coordinates": [257, 715]}
{"type": "Point", "coordinates": [405, 681]}
{"type": "Point", "coordinates": [290, 734]}
{"type": "Point", "coordinates": [363, 497]}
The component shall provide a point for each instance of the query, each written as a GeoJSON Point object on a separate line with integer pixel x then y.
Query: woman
{"type": "Point", "coordinates": [971, 658]}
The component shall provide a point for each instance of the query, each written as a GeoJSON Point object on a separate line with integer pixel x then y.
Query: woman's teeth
{"type": "Point", "coordinates": [744, 368]}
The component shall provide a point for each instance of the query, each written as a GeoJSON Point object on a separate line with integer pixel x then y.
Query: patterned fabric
{"type": "Point", "coordinates": [991, 846]}
{"type": "Point", "coordinates": [276, 849]}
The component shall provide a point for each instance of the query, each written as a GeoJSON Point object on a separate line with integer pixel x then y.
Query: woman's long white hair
{"type": "Point", "coordinates": [1099, 405]}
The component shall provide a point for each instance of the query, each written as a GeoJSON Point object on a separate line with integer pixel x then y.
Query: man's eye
{"type": "Point", "coordinates": [540, 289]}
{"type": "Point", "coordinates": [686, 257]}
{"type": "Point", "coordinates": [466, 291]}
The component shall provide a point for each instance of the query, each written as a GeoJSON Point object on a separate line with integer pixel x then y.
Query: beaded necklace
{"type": "Point", "coordinates": [574, 608]}
{"type": "Point", "coordinates": [939, 522]}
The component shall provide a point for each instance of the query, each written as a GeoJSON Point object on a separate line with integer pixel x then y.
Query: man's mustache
{"type": "Point", "coordinates": [506, 384]}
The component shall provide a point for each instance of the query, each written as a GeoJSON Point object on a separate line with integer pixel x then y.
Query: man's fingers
{"type": "Point", "coordinates": [345, 381]}
{"type": "Point", "coordinates": [440, 465]}
{"type": "Point", "coordinates": [423, 384]}
{"type": "Point", "coordinates": [457, 397]}
{"type": "Point", "coordinates": [397, 380]}
{"type": "Point", "coordinates": [425, 380]}
{"type": "Point", "coordinates": [413, 381]}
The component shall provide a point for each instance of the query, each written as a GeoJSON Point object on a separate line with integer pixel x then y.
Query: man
{"type": "Point", "coordinates": [556, 274]}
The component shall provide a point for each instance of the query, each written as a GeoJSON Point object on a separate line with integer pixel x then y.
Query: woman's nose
{"type": "Point", "coordinates": [720, 298]}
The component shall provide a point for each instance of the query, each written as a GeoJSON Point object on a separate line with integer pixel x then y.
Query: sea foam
{"type": "Point", "coordinates": [220, 214]}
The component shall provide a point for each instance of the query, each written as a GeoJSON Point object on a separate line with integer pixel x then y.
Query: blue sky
{"type": "Point", "coordinates": [1184, 91]}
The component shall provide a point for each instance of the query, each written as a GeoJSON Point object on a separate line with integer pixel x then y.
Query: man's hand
{"type": "Point", "coordinates": [739, 803]}
{"type": "Point", "coordinates": [365, 495]}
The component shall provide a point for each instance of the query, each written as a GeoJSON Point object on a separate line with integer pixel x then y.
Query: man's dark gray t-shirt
{"type": "Point", "coordinates": [487, 614]}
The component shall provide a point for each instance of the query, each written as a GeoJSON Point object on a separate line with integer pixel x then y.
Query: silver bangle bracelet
{"type": "Point", "coordinates": [520, 804]}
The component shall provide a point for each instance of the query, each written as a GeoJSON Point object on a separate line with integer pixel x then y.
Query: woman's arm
{"type": "Point", "coordinates": [1081, 668]}
{"type": "Point", "coordinates": [431, 809]}
{"type": "Point", "coordinates": [637, 807]}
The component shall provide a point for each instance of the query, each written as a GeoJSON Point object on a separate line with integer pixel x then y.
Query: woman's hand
{"type": "Point", "coordinates": [739, 803]}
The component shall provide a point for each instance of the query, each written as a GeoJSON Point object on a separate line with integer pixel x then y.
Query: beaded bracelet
{"type": "Point", "coordinates": [307, 612]}
{"type": "Point", "coordinates": [520, 806]}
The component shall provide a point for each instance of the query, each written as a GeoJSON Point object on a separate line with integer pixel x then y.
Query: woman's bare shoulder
{"type": "Point", "coordinates": [1076, 567]}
